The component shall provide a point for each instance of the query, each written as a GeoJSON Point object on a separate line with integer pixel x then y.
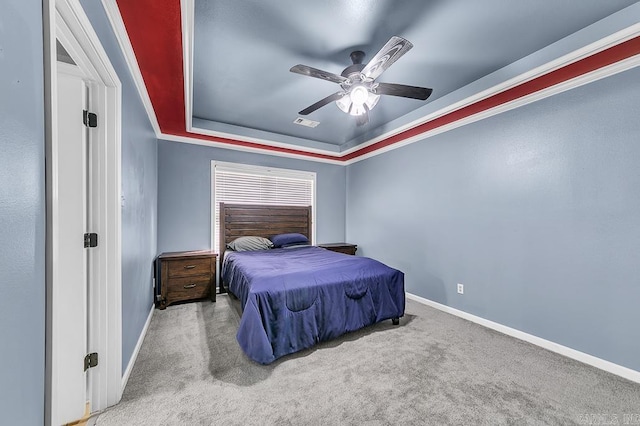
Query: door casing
{"type": "Point", "coordinates": [66, 20]}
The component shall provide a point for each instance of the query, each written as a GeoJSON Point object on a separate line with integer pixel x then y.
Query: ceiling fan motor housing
{"type": "Point", "coordinates": [353, 69]}
{"type": "Point", "coordinates": [353, 72]}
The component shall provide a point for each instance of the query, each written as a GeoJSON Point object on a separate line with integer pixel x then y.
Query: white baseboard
{"type": "Point", "coordinates": [591, 360]}
{"type": "Point", "coordinates": [134, 355]}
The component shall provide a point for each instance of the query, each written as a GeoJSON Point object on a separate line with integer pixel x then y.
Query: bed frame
{"type": "Point", "coordinates": [238, 220]}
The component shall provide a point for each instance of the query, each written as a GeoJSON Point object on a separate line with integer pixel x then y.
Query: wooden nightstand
{"type": "Point", "coordinates": [345, 248]}
{"type": "Point", "coordinates": [186, 275]}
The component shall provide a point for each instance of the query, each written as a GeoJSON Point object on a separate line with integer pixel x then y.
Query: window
{"type": "Point", "coordinates": [244, 184]}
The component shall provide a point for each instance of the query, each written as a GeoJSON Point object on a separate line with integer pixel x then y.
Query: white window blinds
{"type": "Point", "coordinates": [243, 184]}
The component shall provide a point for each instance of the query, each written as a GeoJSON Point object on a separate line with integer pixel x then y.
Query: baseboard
{"type": "Point", "coordinates": [134, 356]}
{"type": "Point", "coordinates": [591, 360]}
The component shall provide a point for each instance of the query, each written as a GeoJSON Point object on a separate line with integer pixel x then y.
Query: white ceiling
{"type": "Point", "coordinates": [243, 51]}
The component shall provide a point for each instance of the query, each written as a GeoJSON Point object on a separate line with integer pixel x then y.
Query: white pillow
{"type": "Point", "coordinates": [250, 244]}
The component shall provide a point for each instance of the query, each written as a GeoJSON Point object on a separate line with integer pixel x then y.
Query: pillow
{"type": "Point", "coordinates": [282, 240]}
{"type": "Point", "coordinates": [250, 244]}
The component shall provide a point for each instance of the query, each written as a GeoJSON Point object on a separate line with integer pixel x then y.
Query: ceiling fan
{"type": "Point", "coordinates": [359, 91]}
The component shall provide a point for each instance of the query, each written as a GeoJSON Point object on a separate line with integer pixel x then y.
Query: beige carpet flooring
{"type": "Point", "coordinates": [432, 369]}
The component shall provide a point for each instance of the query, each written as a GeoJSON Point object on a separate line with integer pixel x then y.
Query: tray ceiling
{"type": "Point", "coordinates": [235, 58]}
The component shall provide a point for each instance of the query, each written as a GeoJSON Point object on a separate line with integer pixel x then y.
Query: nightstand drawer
{"type": "Point", "coordinates": [345, 248]}
{"type": "Point", "coordinates": [189, 267]}
{"type": "Point", "coordinates": [187, 288]}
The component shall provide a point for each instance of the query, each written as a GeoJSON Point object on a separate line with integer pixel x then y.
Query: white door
{"type": "Point", "coordinates": [70, 324]}
{"type": "Point", "coordinates": [68, 24]}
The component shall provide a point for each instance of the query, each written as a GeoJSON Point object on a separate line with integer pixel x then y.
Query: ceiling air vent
{"type": "Point", "coordinates": [304, 122]}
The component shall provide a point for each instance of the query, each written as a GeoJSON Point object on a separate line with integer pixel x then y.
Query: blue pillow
{"type": "Point", "coordinates": [282, 240]}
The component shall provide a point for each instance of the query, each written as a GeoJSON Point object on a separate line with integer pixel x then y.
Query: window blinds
{"type": "Point", "coordinates": [242, 184]}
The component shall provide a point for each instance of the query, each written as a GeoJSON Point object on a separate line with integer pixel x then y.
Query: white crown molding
{"type": "Point", "coordinates": [263, 151]}
{"type": "Point", "coordinates": [591, 360]}
{"type": "Point", "coordinates": [264, 142]}
{"type": "Point", "coordinates": [117, 24]}
{"type": "Point", "coordinates": [187, 11]}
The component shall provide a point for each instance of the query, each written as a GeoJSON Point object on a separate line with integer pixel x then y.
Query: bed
{"type": "Point", "coordinates": [293, 298]}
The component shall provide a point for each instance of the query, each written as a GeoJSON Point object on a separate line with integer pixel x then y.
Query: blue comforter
{"type": "Point", "coordinates": [293, 298]}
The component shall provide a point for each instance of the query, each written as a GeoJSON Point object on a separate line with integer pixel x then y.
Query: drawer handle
{"type": "Point", "coordinates": [189, 266]}
{"type": "Point", "coordinates": [189, 286]}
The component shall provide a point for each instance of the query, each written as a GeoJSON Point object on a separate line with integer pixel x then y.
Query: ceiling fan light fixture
{"type": "Point", "coordinates": [354, 104]}
{"type": "Point", "coordinates": [360, 91]}
{"type": "Point", "coordinates": [359, 95]}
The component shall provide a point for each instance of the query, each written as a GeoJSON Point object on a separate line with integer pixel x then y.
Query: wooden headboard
{"type": "Point", "coordinates": [238, 220]}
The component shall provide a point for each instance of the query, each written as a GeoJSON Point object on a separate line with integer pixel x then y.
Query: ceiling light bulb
{"type": "Point", "coordinates": [359, 95]}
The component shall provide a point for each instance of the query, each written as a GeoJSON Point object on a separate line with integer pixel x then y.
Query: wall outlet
{"type": "Point", "coordinates": [460, 288]}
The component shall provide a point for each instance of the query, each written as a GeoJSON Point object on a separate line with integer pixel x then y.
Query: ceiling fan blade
{"type": "Point", "coordinates": [321, 103]}
{"type": "Point", "coordinates": [362, 119]}
{"type": "Point", "coordinates": [401, 90]}
{"type": "Point", "coordinates": [390, 52]}
{"type": "Point", "coordinates": [314, 72]}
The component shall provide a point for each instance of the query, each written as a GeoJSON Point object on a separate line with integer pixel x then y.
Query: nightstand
{"type": "Point", "coordinates": [345, 248]}
{"type": "Point", "coordinates": [186, 275]}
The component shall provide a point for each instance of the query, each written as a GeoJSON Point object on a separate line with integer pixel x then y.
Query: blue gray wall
{"type": "Point", "coordinates": [184, 193]}
{"type": "Point", "coordinates": [536, 211]}
{"type": "Point", "coordinates": [139, 192]}
{"type": "Point", "coordinates": [22, 214]}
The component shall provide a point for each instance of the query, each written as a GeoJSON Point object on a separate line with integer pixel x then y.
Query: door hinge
{"type": "Point", "coordinates": [90, 240]}
{"type": "Point", "coordinates": [89, 119]}
{"type": "Point", "coordinates": [90, 361]}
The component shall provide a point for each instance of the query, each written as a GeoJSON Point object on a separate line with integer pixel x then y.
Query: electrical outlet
{"type": "Point", "coordinates": [460, 288]}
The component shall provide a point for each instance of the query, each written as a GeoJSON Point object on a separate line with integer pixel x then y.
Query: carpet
{"type": "Point", "coordinates": [432, 369]}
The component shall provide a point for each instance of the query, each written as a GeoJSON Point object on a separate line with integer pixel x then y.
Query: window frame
{"type": "Point", "coordinates": [260, 171]}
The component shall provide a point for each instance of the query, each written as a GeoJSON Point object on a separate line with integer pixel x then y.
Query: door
{"type": "Point", "coordinates": [67, 23]}
{"type": "Point", "coordinates": [70, 262]}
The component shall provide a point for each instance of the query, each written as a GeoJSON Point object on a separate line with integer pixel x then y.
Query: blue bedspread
{"type": "Point", "coordinates": [294, 298]}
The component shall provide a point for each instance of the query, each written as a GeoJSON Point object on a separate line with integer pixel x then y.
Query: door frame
{"type": "Point", "coordinates": [66, 20]}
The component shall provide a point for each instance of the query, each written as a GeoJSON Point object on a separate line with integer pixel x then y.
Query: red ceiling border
{"type": "Point", "coordinates": [155, 31]}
